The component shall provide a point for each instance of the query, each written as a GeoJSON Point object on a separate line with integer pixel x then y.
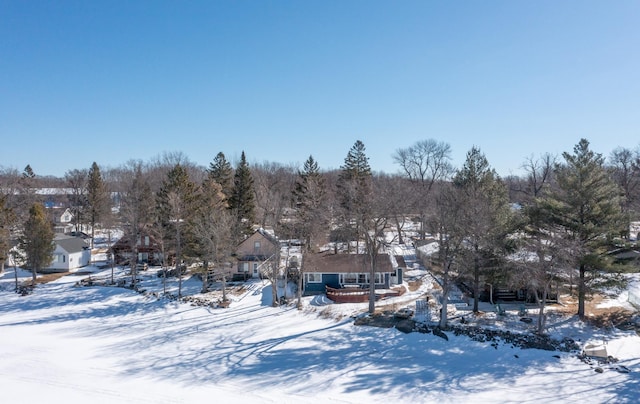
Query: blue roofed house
{"type": "Point", "coordinates": [70, 253]}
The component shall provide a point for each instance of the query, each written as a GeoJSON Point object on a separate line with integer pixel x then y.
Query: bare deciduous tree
{"type": "Point", "coordinates": [425, 163]}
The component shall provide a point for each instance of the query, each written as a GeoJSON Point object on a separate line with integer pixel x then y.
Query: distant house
{"type": "Point", "coordinates": [339, 271]}
{"type": "Point", "coordinates": [148, 248]}
{"type": "Point", "coordinates": [70, 253]}
{"type": "Point", "coordinates": [254, 252]}
{"type": "Point", "coordinates": [64, 217]}
{"type": "Point", "coordinates": [61, 219]}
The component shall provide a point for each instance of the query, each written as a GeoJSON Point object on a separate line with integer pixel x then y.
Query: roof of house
{"type": "Point", "coordinates": [327, 262]}
{"type": "Point", "coordinates": [263, 234]}
{"type": "Point", "coordinates": [124, 243]}
{"type": "Point", "coordinates": [400, 261]}
{"type": "Point", "coordinates": [71, 244]}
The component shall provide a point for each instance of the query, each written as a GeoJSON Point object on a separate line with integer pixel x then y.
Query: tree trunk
{"type": "Point", "coordinates": [299, 291]}
{"type": "Point", "coordinates": [15, 272]}
{"type": "Point", "coordinates": [224, 288]}
{"type": "Point", "coordinates": [274, 288]}
{"type": "Point", "coordinates": [372, 286]}
{"type": "Point", "coordinates": [541, 315]}
{"type": "Point", "coordinates": [445, 297]}
{"type": "Point", "coordinates": [476, 284]}
{"type": "Point", "coordinates": [178, 259]}
{"type": "Point", "coordinates": [399, 229]}
{"type": "Point", "coordinates": [581, 292]}
{"type": "Point", "coordinates": [205, 277]}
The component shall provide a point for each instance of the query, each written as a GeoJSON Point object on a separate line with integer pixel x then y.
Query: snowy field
{"type": "Point", "coordinates": [67, 344]}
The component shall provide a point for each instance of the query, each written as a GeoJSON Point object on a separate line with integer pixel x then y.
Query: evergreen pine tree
{"type": "Point", "coordinates": [354, 187]}
{"type": "Point", "coordinates": [221, 172]}
{"type": "Point", "coordinates": [176, 203]}
{"type": "Point", "coordinates": [28, 172]}
{"type": "Point", "coordinates": [7, 221]}
{"type": "Point", "coordinates": [97, 198]}
{"type": "Point", "coordinates": [242, 202]}
{"type": "Point", "coordinates": [37, 240]}
{"type": "Point", "coordinates": [587, 205]}
{"type": "Point", "coordinates": [486, 213]}
{"type": "Point", "coordinates": [309, 197]}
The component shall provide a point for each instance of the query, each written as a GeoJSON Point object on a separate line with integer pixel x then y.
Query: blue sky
{"type": "Point", "coordinates": [84, 81]}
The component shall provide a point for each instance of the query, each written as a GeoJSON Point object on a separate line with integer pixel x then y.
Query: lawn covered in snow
{"type": "Point", "coordinates": [69, 344]}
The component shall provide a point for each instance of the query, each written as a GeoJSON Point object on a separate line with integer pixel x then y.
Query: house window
{"type": "Point", "coordinates": [146, 240]}
{"type": "Point", "coordinates": [363, 278]}
{"type": "Point", "coordinates": [314, 278]}
{"type": "Point", "coordinates": [348, 278]}
{"type": "Point", "coordinates": [59, 258]}
{"type": "Point", "coordinates": [244, 267]}
{"type": "Point", "coordinates": [256, 246]}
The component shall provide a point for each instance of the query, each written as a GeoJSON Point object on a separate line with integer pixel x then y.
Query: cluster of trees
{"type": "Point", "coordinates": [570, 210]}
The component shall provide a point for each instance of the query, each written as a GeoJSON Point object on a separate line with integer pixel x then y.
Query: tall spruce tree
{"type": "Point", "coordinates": [355, 186]}
{"type": "Point", "coordinates": [220, 171]}
{"type": "Point", "coordinates": [486, 214]}
{"type": "Point", "coordinates": [37, 240]}
{"type": "Point", "coordinates": [7, 221]}
{"type": "Point", "coordinates": [27, 193]}
{"type": "Point", "coordinates": [310, 198]}
{"type": "Point", "coordinates": [587, 205]}
{"type": "Point", "coordinates": [176, 204]}
{"type": "Point", "coordinates": [97, 198]}
{"type": "Point", "coordinates": [242, 202]}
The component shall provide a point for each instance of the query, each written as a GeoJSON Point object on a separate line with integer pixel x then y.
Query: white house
{"type": "Point", "coordinates": [70, 253]}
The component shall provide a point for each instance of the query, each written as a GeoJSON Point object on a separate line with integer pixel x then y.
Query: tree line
{"type": "Point", "coordinates": [560, 219]}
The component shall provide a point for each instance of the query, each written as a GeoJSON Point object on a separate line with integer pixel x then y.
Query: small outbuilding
{"type": "Point", "coordinates": [70, 253]}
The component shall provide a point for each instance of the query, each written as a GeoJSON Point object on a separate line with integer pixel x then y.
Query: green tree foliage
{"type": "Point", "coordinates": [37, 240]}
{"type": "Point", "coordinates": [27, 193]}
{"type": "Point", "coordinates": [587, 204]}
{"type": "Point", "coordinates": [176, 206]}
{"type": "Point", "coordinates": [310, 200]}
{"type": "Point", "coordinates": [212, 228]}
{"type": "Point", "coordinates": [486, 214]}
{"type": "Point", "coordinates": [7, 221]}
{"type": "Point", "coordinates": [28, 172]}
{"type": "Point", "coordinates": [97, 198]}
{"type": "Point", "coordinates": [545, 254]}
{"type": "Point", "coordinates": [221, 172]}
{"type": "Point", "coordinates": [242, 202]}
{"type": "Point", "coordinates": [355, 187]}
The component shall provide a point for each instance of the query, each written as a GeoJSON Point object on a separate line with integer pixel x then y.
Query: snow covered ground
{"type": "Point", "coordinates": [68, 344]}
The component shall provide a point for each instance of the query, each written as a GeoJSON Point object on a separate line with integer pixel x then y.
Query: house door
{"type": "Point", "coordinates": [255, 270]}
